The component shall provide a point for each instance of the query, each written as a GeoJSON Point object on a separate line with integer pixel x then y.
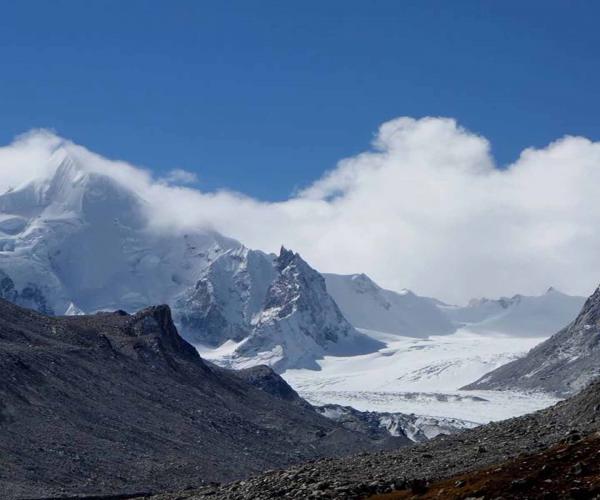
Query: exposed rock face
{"type": "Point", "coordinates": [33, 298]}
{"type": "Point", "coordinates": [119, 403]}
{"type": "Point", "coordinates": [228, 295]}
{"type": "Point", "coordinates": [7, 288]}
{"type": "Point", "coordinates": [299, 322]}
{"type": "Point", "coordinates": [564, 364]}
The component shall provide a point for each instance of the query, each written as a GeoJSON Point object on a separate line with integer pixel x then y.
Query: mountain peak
{"type": "Point", "coordinates": [69, 178]}
{"type": "Point", "coordinates": [285, 258]}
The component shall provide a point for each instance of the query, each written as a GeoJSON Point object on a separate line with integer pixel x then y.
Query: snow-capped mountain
{"type": "Point", "coordinates": [299, 322]}
{"type": "Point", "coordinates": [520, 315]}
{"type": "Point", "coordinates": [227, 298]}
{"type": "Point", "coordinates": [368, 306]}
{"type": "Point", "coordinates": [564, 364]}
{"type": "Point", "coordinates": [80, 241]}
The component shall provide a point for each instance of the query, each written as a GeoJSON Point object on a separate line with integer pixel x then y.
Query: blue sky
{"type": "Point", "coordinates": [263, 97]}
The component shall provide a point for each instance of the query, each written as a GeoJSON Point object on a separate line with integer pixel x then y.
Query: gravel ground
{"type": "Point", "coordinates": [568, 470]}
{"type": "Point", "coordinates": [366, 474]}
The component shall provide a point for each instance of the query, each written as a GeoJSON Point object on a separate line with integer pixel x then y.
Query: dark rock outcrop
{"type": "Point", "coordinates": [265, 379]}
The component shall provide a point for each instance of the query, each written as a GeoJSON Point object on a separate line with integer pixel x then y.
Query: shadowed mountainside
{"type": "Point", "coordinates": [118, 403]}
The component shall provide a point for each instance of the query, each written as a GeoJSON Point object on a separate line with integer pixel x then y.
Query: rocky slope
{"type": "Point", "coordinates": [368, 306]}
{"type": "Point", "coordinates": [570, 469]}
{"type": "Point", "coordinates": [564, 364]}
{"type": "Point", "coordinates": [118, 403]}
{"type": "Point", "coordinates": [367, 474]}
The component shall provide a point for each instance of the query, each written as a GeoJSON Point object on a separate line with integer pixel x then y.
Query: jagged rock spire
{"type": "Point", "coordinates": [285, 257]}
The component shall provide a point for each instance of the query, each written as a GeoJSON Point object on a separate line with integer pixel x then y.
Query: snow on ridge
{"type": "Point", "coordinates": [519, 315]}
{"type": "Point", "coordinates": [368, 306]}
{"type": "Point", "coordinates": [299, 322]}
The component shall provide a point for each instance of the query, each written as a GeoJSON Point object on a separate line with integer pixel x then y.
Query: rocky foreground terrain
{"type": "Point", "coordinates": [120, 404]}
{"type": "Point", "coordinates": [571, 469]}
{"type": "Point", "coordinates": [413, 470]}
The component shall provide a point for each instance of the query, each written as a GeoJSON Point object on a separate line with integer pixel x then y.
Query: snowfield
{"type": "Point", "coordinates": [420, 376]}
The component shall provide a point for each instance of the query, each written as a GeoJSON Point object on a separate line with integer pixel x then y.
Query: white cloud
{"type": "Point", "coordinates": [179, 176]}
{"type": "Point", "coordinates": [425, 208]}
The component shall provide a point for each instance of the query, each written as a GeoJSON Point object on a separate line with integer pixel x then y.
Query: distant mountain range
{"type": "Point", "coordinates": [564, 364]}
{"type": "Point", "coordinates": [297, 321]}
{"type": "Point", "coordinates": [519, 315]}
{"type": "Point", "coordinates": [368, 306]}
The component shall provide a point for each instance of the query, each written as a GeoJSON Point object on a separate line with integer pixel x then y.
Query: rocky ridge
{"type": "Point", "coordinates": [299, 322]}
{"type": "Point", "coordinates": [114, 403]}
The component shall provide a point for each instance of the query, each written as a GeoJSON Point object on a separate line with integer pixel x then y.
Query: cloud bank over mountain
{"type": "Point", "coordinates": [425, 208]}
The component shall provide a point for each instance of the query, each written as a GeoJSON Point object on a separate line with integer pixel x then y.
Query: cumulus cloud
{"type": "Point", "coordinates": [424, 208]}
